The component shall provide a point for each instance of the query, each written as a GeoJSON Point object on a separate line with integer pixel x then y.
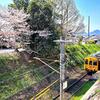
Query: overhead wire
{"type": "Point", "coordinates": [47, 64]}
{"type": "Point", "coordinates": [1, 82]}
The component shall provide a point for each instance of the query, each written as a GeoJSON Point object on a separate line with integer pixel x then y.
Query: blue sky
{"type": "Point", "coordinates": [85, 7]}
{"type": "Point", "coordinates": [90, 8]}
{"type": "Point", "coordinates": [5, 2]}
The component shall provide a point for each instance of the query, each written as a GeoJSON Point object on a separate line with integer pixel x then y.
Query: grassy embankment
{"type": "Point", "coordinates": [83, 90]}
{"type": "Point", "coordinates": [77, 53]}
{"type": "Point", "coordinates": [15, 75]}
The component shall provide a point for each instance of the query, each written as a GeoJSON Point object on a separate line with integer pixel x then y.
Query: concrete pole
{"type": "Point", "coordinates": [62, 54]}
{"type": "Point", "coordinates": [62, 67]}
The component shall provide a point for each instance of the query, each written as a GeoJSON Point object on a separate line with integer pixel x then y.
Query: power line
{"type": "Point", "coordinates": [46, 64]}
{"type": "Point", "coordinates": [20, 75]}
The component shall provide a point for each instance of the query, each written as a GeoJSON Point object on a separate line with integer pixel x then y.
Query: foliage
{"type": "Point", "coordinates": [20, 4]}
{"type": "Point", "coordinates": [41, 15]}
{"type": "Point", "coordinates": [45, 15]}
{"type": "Point", "coordinates": [12, 6]}
{"type": "Point", "coordinates": [91, 42]}
{"type": "Point", "coordinates": [41, 20]}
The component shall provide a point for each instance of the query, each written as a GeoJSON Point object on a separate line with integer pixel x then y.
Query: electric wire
{"type": "Point", "coordinates": [1, 82]}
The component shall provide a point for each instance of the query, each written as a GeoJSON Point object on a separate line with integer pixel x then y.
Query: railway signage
{"type": "Point", "coordinates": [64, 85]}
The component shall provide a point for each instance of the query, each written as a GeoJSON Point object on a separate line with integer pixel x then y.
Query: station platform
{"type": "Point", "coordinates": [94, 92]}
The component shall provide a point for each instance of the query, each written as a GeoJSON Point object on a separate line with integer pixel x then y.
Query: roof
{"type": "Point", "coordinates": [96, 55]}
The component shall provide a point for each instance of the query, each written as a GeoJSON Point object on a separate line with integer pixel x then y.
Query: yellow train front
{"type": "Point", "coordinates": [92, 64]}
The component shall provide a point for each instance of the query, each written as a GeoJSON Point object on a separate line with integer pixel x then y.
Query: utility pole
{"type": "Point", "coordinates": [88, 26]}
{"type": "Point", "coordinates": [62, 41]}
{"type": "Point", "coordinates": [62, 55]}
{"type": "Point", "coordinates": [62, 66]}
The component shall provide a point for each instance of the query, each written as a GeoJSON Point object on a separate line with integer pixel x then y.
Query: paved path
{"type": "Point", "coordinates": [10, 50]}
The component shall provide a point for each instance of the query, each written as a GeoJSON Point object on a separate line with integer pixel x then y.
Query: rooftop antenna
{"type": "Point", "coordinates": [88, 26]}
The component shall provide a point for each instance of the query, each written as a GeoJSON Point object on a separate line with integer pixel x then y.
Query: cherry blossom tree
{"type": "Point", "coordinates": [12, 25]}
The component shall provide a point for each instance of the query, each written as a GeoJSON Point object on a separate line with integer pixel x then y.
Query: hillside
{"type": "Point", "coordinates": [77, 53]}
{"type": "Point", "coordinates": [93, 33]}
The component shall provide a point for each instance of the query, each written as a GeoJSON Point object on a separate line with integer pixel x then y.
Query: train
{"type": "Point", "coordinates": [92, 63]}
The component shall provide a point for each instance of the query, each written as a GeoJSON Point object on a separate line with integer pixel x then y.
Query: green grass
{"type": "Point", "coordinates": [18, 80]}
{"type": "Point", "coordinates": [20, 77]}
{"type": "Point", "coordinates": [83, 90]}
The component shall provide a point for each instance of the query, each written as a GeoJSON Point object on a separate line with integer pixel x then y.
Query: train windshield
{"type": "Point", "coordinates": [90, 63]}
{"type": "Point", "coordinates": [86, 61]}
{"type": "Point", "coordinates": [95, 63]}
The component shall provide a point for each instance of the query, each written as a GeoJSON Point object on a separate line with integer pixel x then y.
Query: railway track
{"type": "Point", "coordinates": [73, 88]}
{"type": "Point", "coordinates": [41, 93]}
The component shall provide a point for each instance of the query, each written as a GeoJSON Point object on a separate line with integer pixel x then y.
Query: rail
{"type": "Point", "coordinates": [72, 85]}
{"type": "Point", "coordinates": [44, 91]}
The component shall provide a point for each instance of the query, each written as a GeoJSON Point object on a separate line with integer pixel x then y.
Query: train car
{"type": "Point", "coordinates": [92, 64]}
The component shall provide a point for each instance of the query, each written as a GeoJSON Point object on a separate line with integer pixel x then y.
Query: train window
{"type": "Point", "coordinates": [95, 63]}
{"type": "Point", "coordinates": [90, 63]}
{"type": "Point", "coordinates": [86, 61]}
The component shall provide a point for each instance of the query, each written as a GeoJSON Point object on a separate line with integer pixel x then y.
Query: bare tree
{"type": "Point", "coordinates": [67, 15]}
